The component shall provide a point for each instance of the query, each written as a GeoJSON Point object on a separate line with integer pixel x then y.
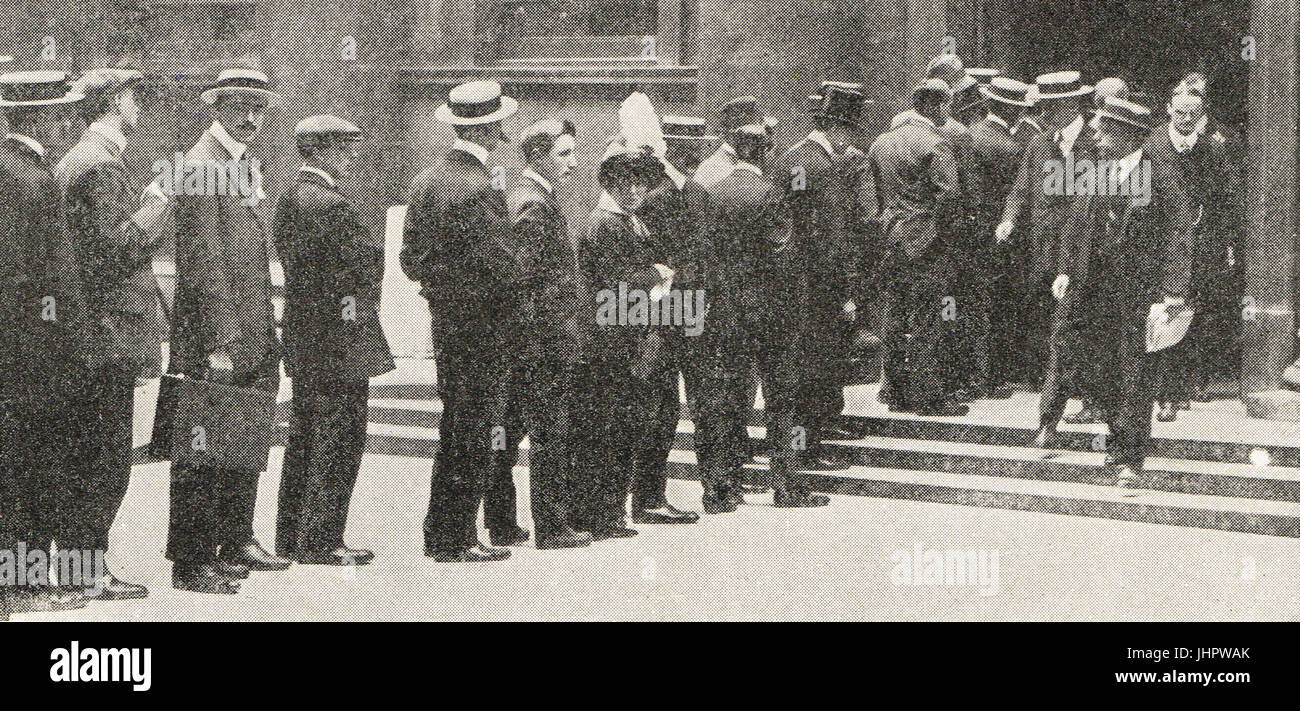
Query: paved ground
{"type": "Point", "coordinates": [844, 562]}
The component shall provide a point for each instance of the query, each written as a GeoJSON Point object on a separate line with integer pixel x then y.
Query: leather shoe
{"type": "Point", "coordinates": [253, 555]}
{"type": "Point", "coordinates": [1129, 481]}
{"type": "Point", "coordinates": [512, 536]}
{"type": "Point", "coordinates": [47, 599]}
{"type": "Point", "coordinates": [612, 531]}
{"type": "Point", "coordinates": [665, 514]}
{"type": "Point", "coordinates": [1045, 437]}
{"type": "Point", "coordinates": [943, 409]}
{"type": "Point", "coordinates": [110, 588]}
{"type": "Point", "coordinates": [202, 578]}
{"type": "Point", "coordinates": [965, 395]}
{"type": "Point", "coordinates": [826, 461]}
{"type": "Point", "coordinates": [564, 539]}
{"type": "Point", "coordinates": [1085, 416]}
{"type": "Point", "coordinates": [339, 556]}
{"type": "Point", "coordinates": [798, 499]}
{"type": "Point", "coordinates": [231, 570]}
{"type": "Point", "coordinates": [477, 553]}
{"type": "Point", "coordinates": [1000, 392]}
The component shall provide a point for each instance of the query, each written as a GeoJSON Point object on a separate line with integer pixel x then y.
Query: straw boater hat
{"type": "Point", "coordinates": [983, 75]}
{"type": "Point", "coordinates": [315, 131]}
{"type": "Point", "coordinates": [685, 128]}
{"type": "Point", "coordinates": [1126, 113]}
{"type": "Point", "coordinates": [475, 103]}
{"type": "Point", "coordinates": [1060, 85]}
{"type": "Point", "coordinates": [43, 88]}
{"type": "Point", "coordinates": [1007, 91]}
{"type": "Point", "coordinates": [240, 81]}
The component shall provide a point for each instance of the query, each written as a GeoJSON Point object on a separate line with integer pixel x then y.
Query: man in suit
{"type": "Point", "coordinates": [738, 112]}
{"type": "Point", "coordinates": [920, 209]}
{"type": "Point", "coordinates": [38, 308]}
{"type": "Point", "coordinates": [1032, 218]}
{"type": "Point", "coordinates": [672, 212]}
{"type": "Point", "coordinates": [756, 274]}
{"type": "Point", "coordinates": [996, 158]}
{"type": "Point", "coordinates": [617, 255]}
{"type": "Point", "coordinates": [459, 245]}
{"type": "Point", "coordinates": [537, 397]}
{"type": "Point", "coordinates": [1132, 257]}
{"type": "Point", "coordinates": [223, 329]}
{"type": "Point", "coordinates": [121, 327]}
{"type": "Point", "coordinates": [821, 196]}
{"type": "Point", "coordinates": [1029, 124]}
{"type": "Point", "coordinates": [1204, 152]}
{"type": "Point", "coordinates": [333, 344]}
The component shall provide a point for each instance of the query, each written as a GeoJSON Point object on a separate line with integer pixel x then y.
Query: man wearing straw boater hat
{"type": "Point", "coordinates": [1124, 283]}
{"type": "Point", "coordinates": [996, 158]}
{"type": "Point", "coordinates": [223, 329]}
{"type": "Point", "coordinates": [458, 244]}
{"type": "Point", "coordinates": [122, 325]}
{"type": "Point", "coordinates": [36, 316]}
{"type": "Point", "coordinates": [1033, 219]}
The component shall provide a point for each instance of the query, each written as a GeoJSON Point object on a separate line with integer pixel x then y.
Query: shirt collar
{"type": "Point", "coordinates": [31, 143]}
{"type": "Point", "coordinates": [675, 175]}
{"type": "Point", "coordinates": [113, 134]}
{"type": "Point", "coordinates": [1127, 164]}
{"type": "Point", "coordinates": [742, 165]}
{"type": "Point", "coordinates": [1070, 134]}
{"type": "Point", "coordinates": [329, 179]}
{"type": "Point", "coordinates": [609, 204]}
{"type": "Point", "coordinates": [233, 147]}
{"type": "Point", "coordinates": [1027, 120]}
{"type": "Point", "coordinates": [999, 120]}
{"type": "Point", "coordinates": [727, 149]}
{"type": "Point", "coordinates": [537, 178]}
{"type": "Point", "coordinates": [820, 139]}
{"type": "Point", "coordinates": [471, 148]}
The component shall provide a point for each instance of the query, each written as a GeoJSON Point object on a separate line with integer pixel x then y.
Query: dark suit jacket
{"type": "Point", "coordinates": [820, 192]}
{"type": "Point", "coordinates": [1211, 173]}
{"type": "Point", "coordinates": [917, 194]}
{"type": "Point", "coordinates": [333, 268]}
{"type": "Point", "coordinates": [223, 280]}
{"type": "Point", "coordinates": [458, 244]}
{"type": "Point", "coordinates": [995, 160]}
{"type": "Point", "coordinates": [673, 216]}
{"type": "Point", "coordinates": [36, 262]}
{"type": "Point", "coordinates": [963, 151]}
{"type": "Point", "coordinates": [610, 253]}
{"type": "Point", "coordinates": [554, 323]}
{"type": "Point", "coordinates": [1024, 131]}
{"type": "Point", "coordinates": [1037, 215]}
{"type": "Point", "coordinates": [122, 323]}
{"type": "Point", "coordinates": [1123, 255]}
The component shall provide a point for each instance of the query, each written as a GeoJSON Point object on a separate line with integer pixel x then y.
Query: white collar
{"type": "Point", "coordinates": [111, 133]}
{"type": "Point", "coordinates": [820, 139]}
{"type": "Point", "coordinates": [742, 165]}
{"type": "Point", "coordinates": [31, 143]}
{"type": "Point", "coordinates": [727, 149]}
{"type": "Point", "coordinates": [1126, 165]}
{"type": "Point", "coordinates": [999, 120]}
{"type": "Point", "coordinates": [674, 174]}
{"type": "Point", "coordinates": [1070, 134]}
{"type": "Point", "coordinates": [537, 178]}
{"type": "Point", "coordinates": [233, 147]}
{"type": "Point", "coordinates": [1027, 120]}
{"type": "Point", "coordinates": [471, 148]}
{"type": "Point", "coordinates": [329, 179]}
{"type": "Point", "coordinates": [609, 204]}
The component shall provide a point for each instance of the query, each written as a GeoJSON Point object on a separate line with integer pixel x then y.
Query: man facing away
{"type": "Point", "coordinates": [333, 344]}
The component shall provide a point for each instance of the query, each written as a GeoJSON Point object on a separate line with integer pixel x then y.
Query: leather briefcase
{"type": "Point", "coordinates": [220, 426]}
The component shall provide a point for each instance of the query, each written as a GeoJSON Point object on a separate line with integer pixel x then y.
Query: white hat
{"type": "Point", "coordinates": [475, 103]}
{"type": "Point", "coordinates": [241, 81]}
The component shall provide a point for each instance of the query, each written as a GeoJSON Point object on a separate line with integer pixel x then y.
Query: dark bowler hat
{"type": "Point", "coordinates": [983, 75]}
{"type": "Point", "coordinates": [968, 98]}
{"type": "Point", "coordinates": [315, 131]}
{"type": "Point", "coordinates": [1060, 85]}
{"type": "Point", "coordinates": [475, 103]}
{"type": "Point", "coordinates": [841, 103]}
{"type": "Point", "coordinates": [43, 88]}
{"type": "Point", "coordinates": [685, 128]}
{"type": "Point", "coordinates": [1007, 91]}
{"type": "Point", "coordinates": [1125, 112]}
{"type": "Point", "coordinates": [742, 111]}
{"type": "Point", "coordinates": [231, 82]}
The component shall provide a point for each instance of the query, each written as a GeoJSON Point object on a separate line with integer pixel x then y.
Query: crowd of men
{"type": "Point", "coordinates": [943, 237]}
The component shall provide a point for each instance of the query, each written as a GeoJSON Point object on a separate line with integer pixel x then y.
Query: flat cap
{"type": "Point", "coordinates": [316, 129]}
{"type": "Point", "coordinates": [105, 81]}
